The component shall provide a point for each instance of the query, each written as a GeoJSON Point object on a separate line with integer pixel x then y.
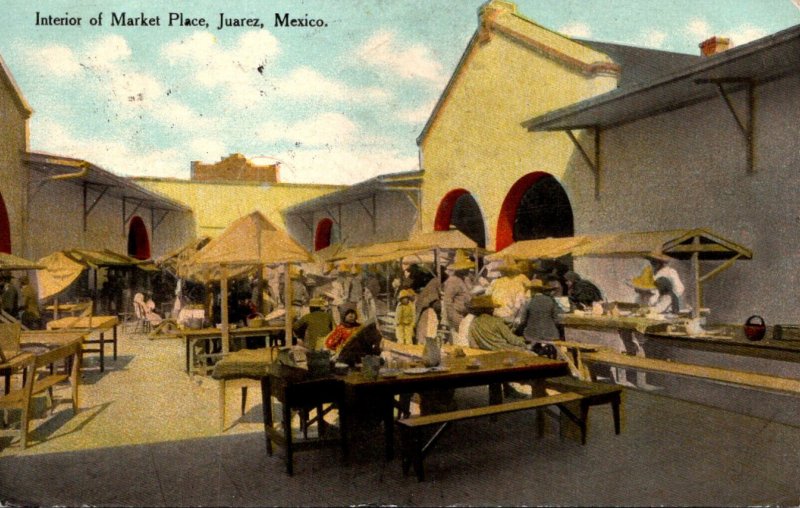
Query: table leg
{"type": "Point", "coordinates": [538, 390]}
{"type": "Point", "coordinates": [287, 432]}
{"type": "Point", "coordinates": [74, 364]}
{"type": "Point", "coordinates": [115, 343]}
{"type": "Point", "coordinates": [187, 353]}
{"type": "Point", "coordinates": [266, 407]}
{"type": "Point", "coordinates": [102, 352]}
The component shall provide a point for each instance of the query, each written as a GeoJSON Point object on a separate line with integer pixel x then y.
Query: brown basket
{"type": "Point", "coordinates": [754, 330]}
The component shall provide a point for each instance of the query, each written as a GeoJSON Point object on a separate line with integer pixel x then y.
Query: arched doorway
{"type": "Point", "coordinates": [138, 240]}
{"type": "Point", "coordinates": [537, 206]}
{"type": "Point", "coordinates": [5, 228]}
{"type": "Point", "coordinates": [322, 237]}
{"type": "Point", "coordinates": [459, 209]}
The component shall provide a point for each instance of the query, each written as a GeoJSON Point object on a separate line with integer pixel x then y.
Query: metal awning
{"type": "Point", "coordinates": [365, 193]}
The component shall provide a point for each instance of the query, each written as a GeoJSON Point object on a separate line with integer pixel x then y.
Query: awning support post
{"type": "Point", "coordinates": [594, 165]}
{"type": "Point", "coordinates": [746, 126]}
{"type": "Point", "coordinates": [88, 210]}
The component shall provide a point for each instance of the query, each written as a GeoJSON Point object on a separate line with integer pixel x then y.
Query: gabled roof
{"type": "Point", "coordinates": [81, 172]}
{"type": "Point", "coordinates": [501, 17]}
{"type": "Point", "coordinates": [640, 65]}
{"type": "Point", "coordinates": [8, 80]}
{"type": "Point", "coordinates": [760, 61]}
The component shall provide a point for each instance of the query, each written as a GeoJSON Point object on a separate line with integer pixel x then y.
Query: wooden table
{"type": "Point", "coordinates": [496, 368]}
{"type": "Point", "coordinates": [91, 324]}
{"type": "Point", "coordinates": [207, 335]}
{"type": "Point", "coordinates": [607, 322]}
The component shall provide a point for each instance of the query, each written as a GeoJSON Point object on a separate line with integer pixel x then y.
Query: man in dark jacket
{"type": "Point", "coordinates": [314, 326]}
{"type": "Point", "coordinates": [581, 292]}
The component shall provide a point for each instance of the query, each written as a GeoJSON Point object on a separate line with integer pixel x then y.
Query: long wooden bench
{"type": "Point", "coordinates": [414, 450]}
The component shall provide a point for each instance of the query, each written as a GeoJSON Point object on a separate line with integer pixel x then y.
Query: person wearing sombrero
{"type": "Point", "coordinates": [540, 316]}
{"type": "Point", "coordinates": [646, 291]}
{"type": "Point", "coordinates": [661, 268]}
{"type": "Point", "coordinates": [488, 331]}
{"type": "Point", "coordinates": [456, 290]}
{"type": "Point", "coordinates": [509, 291]}
{"type": "Point", "coordinates": [315, 325]}
{"type": "Point", "coordinates": [405, 317]}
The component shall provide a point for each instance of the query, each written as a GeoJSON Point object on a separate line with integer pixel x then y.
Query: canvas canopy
{"type": "Point", "coordinates": [12, 262]}
{"type": "Point", "coordinates": [63, 267]}
{"type": "Point", "coordinates": [450, 239]}
{"type": "Point", "coordinates": [250, 241]}
{"type": "Point", "coordinates": [625, 244]}
{"type": "Point", "coordinates": [545, 248]}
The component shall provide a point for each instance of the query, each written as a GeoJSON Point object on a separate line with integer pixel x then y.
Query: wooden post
{"type": "Point", "coordinates": [698, 287]}
{"type": "Point", "coordinates": [226, 336]}
{"type": "Point", "coordinates": [287, 291]}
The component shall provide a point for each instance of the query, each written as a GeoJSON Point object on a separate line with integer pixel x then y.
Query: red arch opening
{"type": "Point", "coordinates": [508, 212]}
{"type": "Point", "coordinates": [444, 214]}
{"type": "Point", "coordinates": [5, 228]}
{"type": "Point", "coordinates": [322, 237]}
{"type": "Point", "coordinates": [138, 240]}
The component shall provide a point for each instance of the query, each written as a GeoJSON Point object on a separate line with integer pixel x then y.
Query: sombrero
{"type": "Point", "coordinates": [644, 280]}
{"type": "Point", "coordinates": [461, 262]}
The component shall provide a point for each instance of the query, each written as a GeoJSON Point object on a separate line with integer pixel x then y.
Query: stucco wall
{"type": "Point", "coordinates": [56, 223]}
{"type": "Point", "coordinates": [476, 142]}
{"type": "Point", "coordinates": [395, 219]}
{"type": "Point", "coordinates": [216, 205]}
{"type": "Point", "coordinates": [687, 169]}
{"type": "Point", "coordinates": [13, 174]}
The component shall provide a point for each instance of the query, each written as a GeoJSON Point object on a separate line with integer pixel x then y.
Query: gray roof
{"type": "Point", "coordinates": [640, 65]}
{"type": "Point", "coordinates": [405, 181]}
{"type": "Point", "coordinates": [760, 61]}
{"type": "Point", "coordinates": [101, 180]}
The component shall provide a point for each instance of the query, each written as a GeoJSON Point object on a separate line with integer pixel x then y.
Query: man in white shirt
{"type": "Point", "coordinates": [661, 268]}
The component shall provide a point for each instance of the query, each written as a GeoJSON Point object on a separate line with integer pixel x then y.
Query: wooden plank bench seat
{"type": "Point", "coordinates": [592, 394]}
{"type": "Point", "coordinates": [414, 450]}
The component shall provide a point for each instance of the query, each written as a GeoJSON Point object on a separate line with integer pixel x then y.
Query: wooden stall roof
{"type": "Point", "coordinates": [12, 262]}
{"type": "Point", "coordinates": [709, 245]}
{"type": "Point", "coordinates": [626, 244]}
{"type": "Point", "coordinates": [450, 239]}
{"type": "Point", "coordinates": [545, 248]}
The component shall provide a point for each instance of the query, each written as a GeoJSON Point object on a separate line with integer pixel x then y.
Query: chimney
{"type": "Point", "coordinates": [714, 45]}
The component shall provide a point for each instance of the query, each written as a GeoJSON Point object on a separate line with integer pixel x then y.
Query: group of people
{"type": "Point", "coordinates": [21, 303]}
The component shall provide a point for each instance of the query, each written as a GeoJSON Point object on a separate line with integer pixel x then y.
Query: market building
{"type": "Point", "coordinates": [95, 209]}
{"type": "Point", "coordinates": [222, 192]}
{"type": "Point", "coordinates": [713, 146]}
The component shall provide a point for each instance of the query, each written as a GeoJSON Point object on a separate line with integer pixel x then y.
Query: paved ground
{"type": "Point", "coordinates": [147, 435]}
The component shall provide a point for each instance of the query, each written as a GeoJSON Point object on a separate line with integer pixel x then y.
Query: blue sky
{"type": "Point", "coordinates": [336, 104]}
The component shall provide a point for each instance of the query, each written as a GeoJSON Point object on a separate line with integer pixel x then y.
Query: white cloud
{"type": "Point", "coordinates": [114, 156]}
{"type": "Point", "coordinates": [325, 129]}
{"type": "Point", "coordinates": [745, 33]}
{"type": "Point", "coordinates": [207, 150]}
{"type": "Point", "coordinates": [652, 39]}
{"type": "Point", "coordinates": [307, 83]}
{"type": "Point", "coordinates": [237, 70]}
{"type": "Point", "coordinates": [416, 115]}
{"type": "Point", "coordinates": [57, 60]}
{"type": "Point", "coordinates": [576, 29]}
{"type": "Point", "coordinates": [107, 52]}
{"type": "Point", "coordinates": [414, 62]}
{"type": "Point", "coordinates": [342, 165]}
{"type": "Point", "coordinates": [699, 29]}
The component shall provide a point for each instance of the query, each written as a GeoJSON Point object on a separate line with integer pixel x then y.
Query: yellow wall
{"type": "Point", "coordinates": [13, 174]}
{"type": "Point", "coordinates": [216, 205]}
{"type": "Point", "coordinates": [476, 141]}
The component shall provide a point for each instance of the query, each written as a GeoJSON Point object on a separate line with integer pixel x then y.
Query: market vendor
{"type": "Point", "coordinates": [343, 330]}
{"type": "Point", "coordinates": [508, 292]}
{"type": "Point", "coordinates": [661, 268]}
{"type": "Point", "coordinates": [582, 293]}
{"type": "Point", "coordinates": [315, 325]}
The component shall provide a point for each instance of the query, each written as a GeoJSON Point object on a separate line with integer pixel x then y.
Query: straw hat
{"type": "Point", "coordinates": [509, 266]}
{"type": "Point", "coordinates": [538, 285]}
{"type": "Point", "coordinates": [482, 302]}
{"type": "Point", "coordinates": [318, 302]}
{"type": "Point", "coordinates": [644, 281]}
{"type": "Point", "coordinates": [657, 256]}
{"type": "Point", "coordinates": [406, 293]}
{"type": "Point", "coordinates": [461, 262]}
{"type": "Point", "coordinates": [294, 272]}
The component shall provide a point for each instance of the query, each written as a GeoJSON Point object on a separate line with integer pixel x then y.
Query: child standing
{"type": "Point", "coordinates": [404, 317]}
